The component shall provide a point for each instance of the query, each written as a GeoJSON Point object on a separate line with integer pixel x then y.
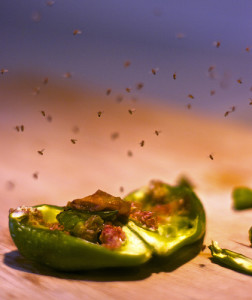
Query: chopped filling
{"type": "Point", "coordinates": [89, 229]}
{"type": "Point", "coordinates": [112, 237]}
{"type": "Point", "coordinates": [146, 218]}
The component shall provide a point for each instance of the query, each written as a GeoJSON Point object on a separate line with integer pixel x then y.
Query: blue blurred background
{"type": "Point", "coordinates": [36, 37]}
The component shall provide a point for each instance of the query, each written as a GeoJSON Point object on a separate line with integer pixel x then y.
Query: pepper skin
{"type": "Point", "coordinates": [170, 217]}
{"type": "Point", "coordinates": [232, 260]}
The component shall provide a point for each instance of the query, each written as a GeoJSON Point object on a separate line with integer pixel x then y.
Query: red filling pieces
{"type": "Point", "coordinates": [112, 237]}
{"type": "Point", "coordinates": [146, 218]}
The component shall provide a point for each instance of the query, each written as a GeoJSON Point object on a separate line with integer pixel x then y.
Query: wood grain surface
{"type": "Point", "coordinates": [98, 161]}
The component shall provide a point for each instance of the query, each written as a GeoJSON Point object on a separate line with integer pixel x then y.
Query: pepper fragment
{"type": "Point", "coordinates": [242, 198]}
{"type": "Point", "coordinates": [231, 259]}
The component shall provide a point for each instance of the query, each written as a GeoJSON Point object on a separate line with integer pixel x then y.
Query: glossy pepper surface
{"type": "Point", "coordinates": [231, 259]}
{"type": "Point", "coordinates": [104, 231]}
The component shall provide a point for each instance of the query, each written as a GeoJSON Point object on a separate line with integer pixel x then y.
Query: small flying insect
{"type": "Point", "coordinates": [17, 128]}
{"type": "Point", "coordinates": [43, 113]}
{"type": "Point", "coordinates": [10, 185]}
{"type": "Point", "coordinates": [211, 156]}
{"type": "Point", "coordinates": [121, 189]}
{"type": "Point", "coordinates": [212, 92]}
{"type": "Point", "coordinates": [129, 153]}
{"type": "Point", "coordinates": [250, 101]}
{"type": "Point", "coordinates": [157, 132]}
{"type": "Point", "coordinates": [108, 92]}
{"type": "Point", "coordinates": [128, 89]}
{"type": "Point", "coordinates": [131, 110]}
{"type": "Point", "coordinates": [75, 129]}
{"type": "Point", "coordinates": [49, 118]}
{"type": "Point", "coordinates": [247, 49]}
{"type": "Point", "coordinates": [180, 35]}
{"type": "Point", "coordinates": [45, 81]}
{"type": "Point", "coordinates": [67, 75]}
{"type": "Point", "coordinates": [35, 175]}
{"type": "Point", "coordinates": [99, 113]}
{"type": "Point", "coordinates": [126, 64]}
{"type": "Point", "coordinates": [239, 81]}
{"type": "Point", "coordinates": [190, 96]}
{"type": "Point", "coordinates": [139, 86]}
{"type": "Point", "coordinates": [142, 143]}
{"type": "Point", "coordinates": [226, 113]}
{"type": "Point", "coordinates": [50, 3]}
{"type": "Point", "coordinates": [189, 106]}
{"type": "Point", "coordinates": [154, 71]}
{"type": "Point", "coordinates": [114, 135]}
{"type": "Point", "coordinates": [4, 71]}
{"type": "Point", "coordinates": [22, 127]}
{"type": "Point", "coordinates": [211, 68]}
{"type": "Point", "coordinates": [119, 98]}
{"type": "Point", "coordinates": [217, 44]}
{"type": "Point", "coordinates": [77, 31]}
{"type": "Point", "coordinates": [73, 141]}
{"type": "Point", "coordinates": [174, 76]}
{"type": "Point", "coordinates": [36, 90]}
{"type": "Point", "coordinates": [41, 152]}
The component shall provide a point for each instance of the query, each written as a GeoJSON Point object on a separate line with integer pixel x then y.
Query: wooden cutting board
{"type": "Point", "coordinates": [107, 155]}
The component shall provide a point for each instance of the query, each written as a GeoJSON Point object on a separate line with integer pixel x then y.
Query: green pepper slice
{"type": "Point", "coordinates": [231, 259]}
{"type": "Point", "coordinates": [185, 223]}
{"type": "Point", "coordinates": [242, 198]}
{"type": "Point", "coordinates": [64, 252]}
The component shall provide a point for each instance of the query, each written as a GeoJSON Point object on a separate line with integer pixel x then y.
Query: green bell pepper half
{"type": "Point", "coordinates": [63, 251]}
{"type": "Point", "coordinates": [231, 259]}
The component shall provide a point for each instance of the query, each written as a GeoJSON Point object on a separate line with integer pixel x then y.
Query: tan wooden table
{"type": "Point", "coordinates": [66, 171]}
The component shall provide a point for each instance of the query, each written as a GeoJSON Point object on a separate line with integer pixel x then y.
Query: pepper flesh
{"type": "Point", "coordinates": [231, 259]}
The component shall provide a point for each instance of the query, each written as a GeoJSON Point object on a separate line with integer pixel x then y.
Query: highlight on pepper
{"type": "Point", "coordinates": [101, 230]}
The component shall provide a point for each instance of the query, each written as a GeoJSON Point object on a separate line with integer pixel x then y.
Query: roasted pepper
{"type": "Point", "coordinates": [104, 231]}
{"type": "Point", "coordinates": [231, 259]}
{"type": "Point", "coordinates": [242, 198]}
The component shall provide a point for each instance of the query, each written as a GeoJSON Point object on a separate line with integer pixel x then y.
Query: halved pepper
{"type": "Point", "coordinates": [159, 219]}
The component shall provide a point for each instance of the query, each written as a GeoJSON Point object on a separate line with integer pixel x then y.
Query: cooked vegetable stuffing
{"type": "Point", "coordinates": [101, 230]}
{"type": "Point", "coordinates": [232, 260]}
